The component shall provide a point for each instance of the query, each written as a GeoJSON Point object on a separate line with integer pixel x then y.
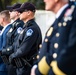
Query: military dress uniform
{"type": "Point", "coordinates": [27, 46]}
{"type": "Point", "coordinates": [58, 52]}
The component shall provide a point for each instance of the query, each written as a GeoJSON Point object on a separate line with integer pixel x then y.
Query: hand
{"type": "Point", "coordinates": [4, 51]}
{"type": "Point", "coordinates": [33, 70]}
{"type": "Point", "coordinates": [11, 59]}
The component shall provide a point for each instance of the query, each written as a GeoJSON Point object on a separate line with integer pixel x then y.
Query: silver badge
{"type": "Point", "coordinates": [19, 30]}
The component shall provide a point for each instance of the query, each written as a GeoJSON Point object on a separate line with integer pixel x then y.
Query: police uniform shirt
{"type": "Point", "coordinates": [28, 40]}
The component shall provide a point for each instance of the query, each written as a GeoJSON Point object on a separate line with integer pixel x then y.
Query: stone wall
{"type": "Point", "coordinates": [44, 19]}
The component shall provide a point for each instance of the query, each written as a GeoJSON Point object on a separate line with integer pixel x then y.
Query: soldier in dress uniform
{"type": "Point", "coordinates": [58, 52]}
{"type": "Point", "coordinates": [28, 42]}
{"type": "Point", "coordinates": [12, 34]}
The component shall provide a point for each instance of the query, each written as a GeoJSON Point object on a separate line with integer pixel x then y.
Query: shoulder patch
{"type": "Point", "coordinates": [19, 30]}
{"type": "Point", "coordinates": [29, 32]}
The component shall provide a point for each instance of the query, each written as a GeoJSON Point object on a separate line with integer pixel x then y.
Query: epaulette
{"type": "Point", "coordinates": [68, 14]}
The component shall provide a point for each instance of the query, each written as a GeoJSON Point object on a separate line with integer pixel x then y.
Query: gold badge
{"type": "Point", "coordinates": [50, 31]}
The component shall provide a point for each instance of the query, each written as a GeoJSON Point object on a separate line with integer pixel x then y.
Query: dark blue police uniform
{"type": "Point", "coordinates": [27, 46]}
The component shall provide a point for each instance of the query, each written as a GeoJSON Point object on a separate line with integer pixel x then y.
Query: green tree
{"type": "Point", "coordinates": [38, 3]}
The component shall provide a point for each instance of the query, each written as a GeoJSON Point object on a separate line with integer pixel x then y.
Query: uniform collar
{"type": "Point", "coordinates": [16, 21]}
{"type": "Point", "coordinates": [4, 28]}
{"type": "Point", "coordinates": [28, 23]}
{"type": "Point", "coordinates": [61, 10]}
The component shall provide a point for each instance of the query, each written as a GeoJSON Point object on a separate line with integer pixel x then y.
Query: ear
{"type": "Point", "coordinates": [17, 13]}
{"type": "Point", "coordinates": [28, 12]}
{"type": "Point", "coordinates": [56, 0]}
{"type": "Point", "coordinates": [3, 19]}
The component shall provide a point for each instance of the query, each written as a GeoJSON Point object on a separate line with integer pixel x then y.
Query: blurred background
{"type": "Point", "coordinates": [42, 17]}
{"type": "Point", "coordinates": [3, 3]}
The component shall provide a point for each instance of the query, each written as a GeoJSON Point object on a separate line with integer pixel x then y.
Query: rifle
{"type": "Point", "coordinates": [4, 58]}
{"type": "Point", "coordinates": [19, 62]}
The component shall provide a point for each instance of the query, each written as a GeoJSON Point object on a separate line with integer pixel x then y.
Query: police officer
{"type": "Point", "coordinates": [28, 41]}
{"type": "Point", "coordinates": [58, 52]}
{"type": "Point", "coordinates": [5, 22]}
{"type": "Point", "coordinates": [12, 34]}
{"type": "Point", "coordinates": [17, 24]}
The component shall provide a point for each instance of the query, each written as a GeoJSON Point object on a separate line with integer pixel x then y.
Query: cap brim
{"type": "Point", "coordinates": [10, 8]}
{"type": "Point", "coordinates": [19, 10]}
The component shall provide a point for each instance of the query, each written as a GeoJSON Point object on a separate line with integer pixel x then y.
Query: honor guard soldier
{"type": "Point", "coordinates": [28, 42]}
{"type": "Point", "coordinates": [12, 35]}
{"type": "Point", "coordinates": [58, 53]}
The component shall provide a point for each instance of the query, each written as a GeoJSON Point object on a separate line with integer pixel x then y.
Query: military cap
{"type": "Point", "coordinates": [15, 6]}
{"type": "Point", "coordinates": [26, 7]}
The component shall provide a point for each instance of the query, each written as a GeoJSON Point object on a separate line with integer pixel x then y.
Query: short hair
{"type": "Point", "coordinates": [5, 14]}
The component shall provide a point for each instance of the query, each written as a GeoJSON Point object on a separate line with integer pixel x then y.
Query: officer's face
{"type": "Point", "coordinates": [50, 4]}
{"type": "Point", "coordinates": [1, 20]}
{"type": "Point", "coordinates": [24, 16]}
{"type": "Point", "coordinates": [13, 14]}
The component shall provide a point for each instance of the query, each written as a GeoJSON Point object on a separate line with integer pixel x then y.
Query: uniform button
{"type": "Point", "coordinates": [40, 45]}
{"type": "Point", "coordinates": [64, 23]}
{"type": "Point", "coordinates": [57, 34]}
{"type": "Point", "coordinates": [37, 56]}
{"type": "Point", "coordinates": [33, 58]}
{"type": "Point", "coordinates": [56, 45]}
{"type": "Point", "coordinates": [73, 6]}
{"type": "Point", "coordinates": [8, 49]}
{"type": "Point", "coordinates": [65, 19]}
{"type": "Point", "coordinates": [46, 40]}
{"type": "Point", "coordinates": [55, 55]}
{"type": "Point", "coordinates": [59, 24]}
{"type": "Point", "coordinates": [70, 18]}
